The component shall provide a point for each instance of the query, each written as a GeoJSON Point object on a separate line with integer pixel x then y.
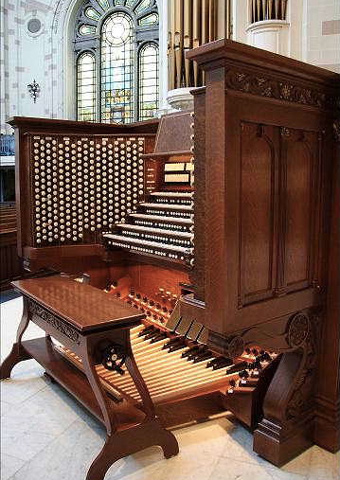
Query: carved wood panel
{"type": "Point", "coordinates": [278, 208]}
{"type": "Point", "coordinates": [257, 202]}
{"type": "Point", "coordinates": [298, 162]}
{"type": "Point", "coordinates": [263, 212]}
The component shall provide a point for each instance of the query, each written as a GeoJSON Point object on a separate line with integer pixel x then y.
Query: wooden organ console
{"type": "Point", "coordinates": [212, 229]}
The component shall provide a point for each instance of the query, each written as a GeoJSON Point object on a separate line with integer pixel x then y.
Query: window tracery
{"type": "Point", "coordinates": [116, 48]}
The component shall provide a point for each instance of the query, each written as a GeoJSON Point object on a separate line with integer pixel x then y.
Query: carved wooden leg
{"type": "Point", "coordinates": [88, 360]}
{"type": "Point", "coordinates": [130, 441]}
{"type": "Point", "coordinates": [17, 354]}
{"type": "Point", "coordinates": [125, 442]}
{"type": "Point", "coordinates": [287, 427]}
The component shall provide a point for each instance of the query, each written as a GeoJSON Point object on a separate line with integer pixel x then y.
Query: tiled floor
{"type": "Point", "coordinates": [47, 436]}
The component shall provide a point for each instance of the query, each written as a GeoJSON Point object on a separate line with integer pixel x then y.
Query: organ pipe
{"type": "Point", "coordinates": [192, 23]}
{"type": "Point", "coordinates": [268, 10]}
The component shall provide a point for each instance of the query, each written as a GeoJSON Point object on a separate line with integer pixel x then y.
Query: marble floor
{"type": "Point", "coordinates": [46, 435]}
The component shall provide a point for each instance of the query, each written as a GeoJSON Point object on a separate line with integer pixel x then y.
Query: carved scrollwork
{"type": "Point", "coordinates": [36, 309]}
{"type": "Point", "coordinates": [250, 84]}
{"type": "Point", "coordinates": [272, 88]}
{"type": "Point", "coordinates": [298, 329]}
{"type": "Point", "coordinates": [302, 396]}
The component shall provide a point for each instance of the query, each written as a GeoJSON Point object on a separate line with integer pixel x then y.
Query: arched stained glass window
{"type": "Point", "coordinates": [117, 61]}
{"type": "Point", "coordinates": [116, 46]}
{"type": "Point", "coordinates": [86, 87]}
{"type": "Point", "coordinates": [148, 80]}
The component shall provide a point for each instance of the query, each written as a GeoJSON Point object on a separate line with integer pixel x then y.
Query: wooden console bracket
{"type": "Point", "coordinates": [288, 423]}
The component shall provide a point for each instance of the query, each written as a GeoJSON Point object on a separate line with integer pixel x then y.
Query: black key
{"type": "Point", "coordinates": [237, 367]}
{"type": "Point", "coordinates": [172, 341]}
{"type": "Point", "coordinates": [191, 351]}
{"type": "Point", "coordinates": [215, 361]}
{"type": "Point", "coordinates": [159, 337]}
{"type": "Point", "coordinates": [146, 330]}
{"type": "Point", "coordinates": [203, 356]}
{"type": "Point", "coordinates": [201, 349]}
{"type": "Point", "coordinates": [220, 362]}
{"type": "Point", "coordinates": [151, 335]}
{"type": "Point", "coordinates": [178, 346]}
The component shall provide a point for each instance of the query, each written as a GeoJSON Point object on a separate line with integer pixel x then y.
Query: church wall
{"type": "Point", "coordinates": [311, 33]}
{"type": "Point", "coordinates": [323, 40]}
{"type": "Point", "coordinates": [25, 57]}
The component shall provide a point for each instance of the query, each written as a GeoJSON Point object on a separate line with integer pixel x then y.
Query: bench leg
{"type": "Point", "coordinates": [130, 441]}
{"type": "Point", "coordinates": [119, 444]}
{"type": "Point", "coordinates": [18, 353]}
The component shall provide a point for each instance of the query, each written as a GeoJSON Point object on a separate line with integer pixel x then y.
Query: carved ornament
{"type": "Point", "coordinates": [36, 309]}
{"type": "Point", "coordinates": [301, 399]}
{"type": "Point", "coordinates": [298, 330]}
{"type": "Point", "coordinates": [269, 87]}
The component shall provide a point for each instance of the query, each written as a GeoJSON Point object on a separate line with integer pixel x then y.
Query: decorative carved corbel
{"type": "Point", "coordinates": [289, 402]}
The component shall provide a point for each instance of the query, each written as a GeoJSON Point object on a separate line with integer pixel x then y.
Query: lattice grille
{"type": "Point", "coordinates": [83, 185]}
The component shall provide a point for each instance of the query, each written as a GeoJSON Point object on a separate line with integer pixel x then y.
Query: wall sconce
{"type": "Point", "coordinates": [33, 89]}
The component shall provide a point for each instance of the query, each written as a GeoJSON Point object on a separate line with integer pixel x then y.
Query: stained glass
{"type": "Point", "coordinates": [113, 70]}
{"type": "Point", "coordinates": [148, 20]}
{"type": "Point", "coordinates": [130, 3]}
{"type": "Point", "coordinates": [104, 4]}
{"type": "Point", "coordinates": [148, 81]}
{"type": "Point", "coordinates": [143, 5]}
{"type": "Point", "coordinates": [92, 13]}
{"type": "Point", "coordinates": [87, 30]}
{"type": "Point", "coordinates": [86, 87]}
{"type": "Point", "coordinates": [117, 52]}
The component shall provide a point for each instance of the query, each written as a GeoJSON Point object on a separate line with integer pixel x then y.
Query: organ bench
{"type": "Point", "coordinates": [96, 327]}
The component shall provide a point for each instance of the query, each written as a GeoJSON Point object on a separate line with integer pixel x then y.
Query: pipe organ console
{"type": "Point", "coordinates": [208, 231]}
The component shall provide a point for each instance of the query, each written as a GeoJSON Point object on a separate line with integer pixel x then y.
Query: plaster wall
{"type": "Point", "coordinates": [322, 43]}
{"type": "Point", "coordinates": [312, 33]}
{"type": "Point", "coordinates": [47, 57]}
